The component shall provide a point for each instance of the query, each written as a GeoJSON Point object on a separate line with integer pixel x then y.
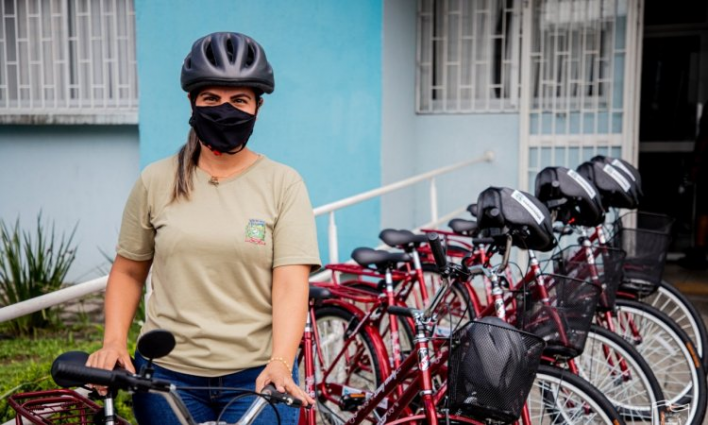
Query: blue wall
{"type": "Point", "coordinates": [324, 118]}
{"type": "Point", "coordinates": [75, 175]}
{"type": "Point", "coordinates": [413, 144]}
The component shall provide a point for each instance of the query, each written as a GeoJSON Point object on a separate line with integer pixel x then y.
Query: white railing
{"type": "Point", "coordinates": [82, 289]}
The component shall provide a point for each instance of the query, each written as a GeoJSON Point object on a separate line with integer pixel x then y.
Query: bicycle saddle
{"type": "Point", "coordinates": [525, 218]}
{"type": "Point", "coordinates": [317, 293]}
{"type": "Point", "coordinates": [402, 238]}
{"type": "Point", "coordinates": [572, 196]}
{"type": "Point", "coordinates": [616, 189]}
{"type": "Point", "coordinates": [463, 227]}
{"type": "Point", "coordinates": [367, 257]}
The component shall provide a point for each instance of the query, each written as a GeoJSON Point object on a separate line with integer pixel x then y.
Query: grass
{"type": "Point", "coordinates": [25, 362]}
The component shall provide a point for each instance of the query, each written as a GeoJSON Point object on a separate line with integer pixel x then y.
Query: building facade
{"type": "Point", "coordinates": [367, 93]}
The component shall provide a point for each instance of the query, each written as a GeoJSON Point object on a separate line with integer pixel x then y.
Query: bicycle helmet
{"type": "Point", "coordinates": [568, 193]}
{"type": "Point", "coordinates": [227, 59]}
{"type": "Point", "coordinates": [625, 167]}
{"type": "Point", "coordinates": [517, 213]}
{"type": "Point", "coordinates": [614, 186]}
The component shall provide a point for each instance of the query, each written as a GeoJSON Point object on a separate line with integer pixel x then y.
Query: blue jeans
{"type": "Point", "coordinates": [207, 404]}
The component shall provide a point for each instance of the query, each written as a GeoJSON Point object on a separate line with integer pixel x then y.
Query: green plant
{"type": "Point", "coordinates": [32, 265]}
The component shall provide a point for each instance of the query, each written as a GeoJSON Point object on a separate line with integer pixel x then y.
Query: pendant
{"type": "Point", "coordinates": [214, 181]}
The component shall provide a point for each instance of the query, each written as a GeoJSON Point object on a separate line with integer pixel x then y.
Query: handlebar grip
{"type": "Point", "coordinates": [67, 371]}
{"type": "Point", "coordinates": [279, 397]}
{"type": "Point", "coordinates": [437, 249]}
{"type": "Point", "coordinates": [399, 311]}
{"type": "Point", "coordinates": [483, 241]}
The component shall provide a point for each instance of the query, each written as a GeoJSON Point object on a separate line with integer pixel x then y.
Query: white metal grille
{"type": "Point", "coordinates": [468, 56]}
{"type": "Point", "coordinates": [70, 58]}
{"type": "Point", "coordinates": [577, 83]}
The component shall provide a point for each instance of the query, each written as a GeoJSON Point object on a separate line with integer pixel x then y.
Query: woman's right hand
{"type": "Point", "coordinates": [108, 357]}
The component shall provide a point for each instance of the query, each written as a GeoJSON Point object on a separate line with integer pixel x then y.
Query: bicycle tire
{"type": "Point", "coordinates": [670, 354]}
{"type": "Point", "coordinates": [669, 300]}
{"type": "Point", "coordinates": [635, 394]}
{"type": "Point", "coordinates": [560, 397]}
{"type": "Point", "coordinates": [354, 371]}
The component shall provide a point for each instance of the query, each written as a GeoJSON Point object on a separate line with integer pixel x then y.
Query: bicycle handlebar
{"type": "Point", "coordinates": [126, 381]}
{"type": "Point", "coordinates": [437, 250]}
{"type": "Point", "coordinates": [114, 379]}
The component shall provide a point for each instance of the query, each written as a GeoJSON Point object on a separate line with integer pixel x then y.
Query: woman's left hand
{"type": "Point", "coordinates": [277, 374]}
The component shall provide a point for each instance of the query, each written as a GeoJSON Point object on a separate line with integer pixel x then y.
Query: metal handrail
{"type": "Point", "coordinates": [82, 289]}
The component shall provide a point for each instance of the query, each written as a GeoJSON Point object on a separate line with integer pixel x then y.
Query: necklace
{"type": "Point", "coordinates": [214, 180]}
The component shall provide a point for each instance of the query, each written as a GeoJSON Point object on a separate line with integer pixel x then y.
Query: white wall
{"type": "Point", "coordinates": [73, 175]}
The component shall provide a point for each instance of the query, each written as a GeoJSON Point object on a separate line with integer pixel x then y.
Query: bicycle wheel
{"type": "Point", "coordinates": [670, 354]}
{"type": "Point", "coordinates": [676, 305]}
{"type": "Point", "coordinates": [560, 397]}
{"type": "Point", "coordinates": [354, 368]}
{"type": "Point", "coordinates": [617, 370]}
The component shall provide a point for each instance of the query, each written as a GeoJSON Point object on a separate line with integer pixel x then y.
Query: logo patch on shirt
{"type": "Point", "coordinates": [255, 232]}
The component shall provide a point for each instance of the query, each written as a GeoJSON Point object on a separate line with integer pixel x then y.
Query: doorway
{"type": "Point", "coordinates": [674, 92]}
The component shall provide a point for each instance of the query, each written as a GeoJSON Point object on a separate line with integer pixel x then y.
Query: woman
{"type": "Point", "coordinates": [230, 237]}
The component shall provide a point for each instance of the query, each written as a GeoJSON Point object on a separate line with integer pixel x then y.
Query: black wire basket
{"type": "Point", "coordinates": [607, 263]}
{"type": "Point", "coordinates": [645, 238]}
{"type": "Point", "coordinates": [560, 310]}
{"type": "Point", "coordinates": [491, 371]}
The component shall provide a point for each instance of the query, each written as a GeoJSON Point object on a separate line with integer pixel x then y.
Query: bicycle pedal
{"type": "Point", "coordinates": [352, 402]}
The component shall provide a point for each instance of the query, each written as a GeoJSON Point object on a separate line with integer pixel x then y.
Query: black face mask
{"type": "Point", "coordinates": [223, 128]}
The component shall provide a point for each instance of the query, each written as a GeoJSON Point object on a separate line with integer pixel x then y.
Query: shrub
{"type": "Point", "coordinates": [32, 265]}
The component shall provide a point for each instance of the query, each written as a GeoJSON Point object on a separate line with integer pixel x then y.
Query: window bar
{"type": "Point", "coordinates": [103, 54]}
{"type": "Point", "coordinates": [489, 43]}
{"type": "Point", "coordinates": [4, 83]}
{"type": "Point", "coordinates": [583, 73]}
{"type": "Point", "coordinates": [473, 58]}
{"type": "Point", "coordinates": [69, 70]}
{"type": "Point", "coordinates": [18, 71]}
{"type": "Point", "coordinates": [555, 75]}
{"type": "Point", "coordinates": [133, 79]}
{"type": "Point", "coordinates": [609, 85]}
{"type": "Point", "coordinates": [53, 68]}
{"type": "Point", "coordinates": [596, 70]}
{"type": "Point", "coordinates": [445, 41]}
{"type": "Point", "coordinates": [419, 56]}
{"type": "Point", "coordinates": [41, 20]}
{"type": "Point", "coordinates": [568, 77]}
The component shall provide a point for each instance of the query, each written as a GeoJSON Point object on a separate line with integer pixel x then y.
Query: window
{"type": "Point", "coordinates": [573, 53]}
{"type": "Point", "coordinates": [469, 54]}
{"type": "Point", "coordinates": [68, 61]}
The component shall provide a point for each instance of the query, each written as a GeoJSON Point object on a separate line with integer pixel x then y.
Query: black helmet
{"type": "Point", "coordinates": [578, 198]}
{"type": "Point", "coordinates": [616, 189]}
{"type": "Point", "coordinates": [518, 214]}
{"type": "Point", "coordinates": [227, 59]}
{"type": "Point", "coordinates": [626, 168]}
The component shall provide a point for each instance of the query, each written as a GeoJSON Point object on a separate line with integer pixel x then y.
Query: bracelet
{"type": "Point", "coordinates": [282, 360]}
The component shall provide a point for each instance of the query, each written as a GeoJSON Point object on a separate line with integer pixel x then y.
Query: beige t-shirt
{"type": "Point", "coordinates": [213, 258]}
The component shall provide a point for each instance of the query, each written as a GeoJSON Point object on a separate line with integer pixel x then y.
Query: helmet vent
{"type": "Point", "coordinates": [230, 50]}
{"type": "Point", "coordinates": [209, 53]}
{"type": "Point", "coordinates": [251, 56]}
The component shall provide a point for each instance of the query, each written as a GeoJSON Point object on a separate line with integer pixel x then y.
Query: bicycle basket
{"type": "Point", "coordinates": [646, 247]}
{"type": "Point", "coordinates": [491, 369]}
{"type": "Point", "coordinates": [56, 407]}
{"type": "Point", "coordinates": [608, 263]}
{"type": "Point", "coordinates": [562, 315]}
